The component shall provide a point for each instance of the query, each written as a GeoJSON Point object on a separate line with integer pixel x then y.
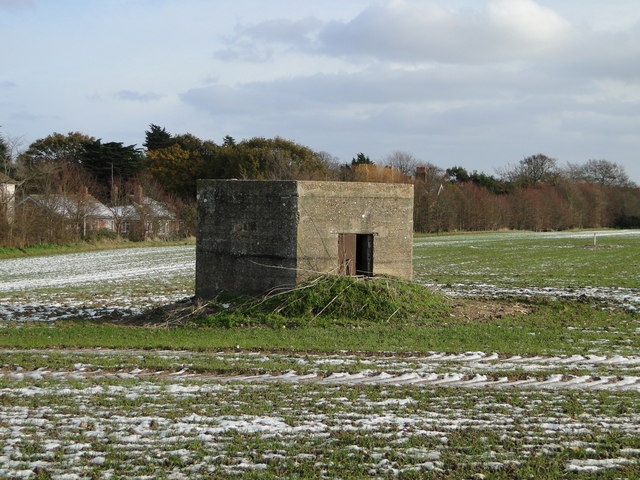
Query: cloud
{"type": "Point", "coordinates": [7, 84]}
{"type": "Point", "coordinates": [245, 51]}
{"type": "Point", "coordinates": [297, 94]}
{"type": "Point", "coordinates": [251, 43]}
{"type": "Point", "coordinates": [401, 30]}
{"type": "Point", "coordinates": [406, 32]}
{"type": "Point", "coordinates": [526, 21]}
{"type": "Point", "coordinates": [611, 55]}
{"type": "Point", "coordinates": [283, 30]}
{"type": "Point", "coordinates": [131, 96]}
{"type": "Point", "coordinates": [410, 31]}
{"type": "Point", "coordinates": [390, 107]}
{"type": "Point", "coordinates": [511, 77]}
{"type": "Point", "coordinates": [439, 86]}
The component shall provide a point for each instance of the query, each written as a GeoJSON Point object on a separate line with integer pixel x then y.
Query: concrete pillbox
{"type": "Point", "coordinates": [254, 236]}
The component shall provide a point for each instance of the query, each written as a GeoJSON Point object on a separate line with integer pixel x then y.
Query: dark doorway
{"type": "Point", "coordinates": [355, 253]}
{"type": "Point", "coordinates": [364, 254]}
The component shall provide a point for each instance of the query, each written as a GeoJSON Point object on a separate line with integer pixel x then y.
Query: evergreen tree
{"type": "Point", "coordinates": [157, 138]}
{"type": "Point", "coordinates": [458, 174]}
{"type": "Point", "coordinates": [110, 160]}
{"type": "Point", "coordinates": [228, 141]}
{"type": "Point", "coordinates": [361, 159]}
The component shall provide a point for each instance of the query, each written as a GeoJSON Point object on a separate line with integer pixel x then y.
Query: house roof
{"type": "Point", "coordinates": [149, 207]}
{"type": "Point", "coordinates": [70, 205]}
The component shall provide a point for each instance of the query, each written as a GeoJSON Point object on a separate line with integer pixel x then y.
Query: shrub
{"type": "Point", "coordinates": [330, 300]}
{"type": "Point", "coordinates": [105, 234]}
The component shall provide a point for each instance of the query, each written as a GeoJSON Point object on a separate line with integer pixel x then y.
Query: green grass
{"type": "Point", "coordinates": [391, 315]}
{"type": "Point", "coordinates": [554, 328]}
{"type": "Point", "coordinates": [526, 260]}
{"type": "Point", "coordinates": [55, 249]}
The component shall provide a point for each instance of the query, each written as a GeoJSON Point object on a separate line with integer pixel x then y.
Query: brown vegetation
{"type": "Point", "coordinates": [534, 194]}
{"type": "Point", "coordinates": [442, 206]}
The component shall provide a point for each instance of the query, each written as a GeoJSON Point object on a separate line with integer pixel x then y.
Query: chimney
{"type": "Point", "coordinates": [421, 174]}
{"type": "Point", "coordinates": [137, 194]}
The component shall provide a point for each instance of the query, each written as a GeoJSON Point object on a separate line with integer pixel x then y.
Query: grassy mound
{"type": "Point", "coordinates": [331, 300]}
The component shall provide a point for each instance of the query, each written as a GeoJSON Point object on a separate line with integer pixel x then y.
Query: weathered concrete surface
{"type": "Point", "coordinates": [246, 236]}
{"type": "Point", "coordinates": [329, 208]}
{"type": "Point", "coordinates": [254, 236]}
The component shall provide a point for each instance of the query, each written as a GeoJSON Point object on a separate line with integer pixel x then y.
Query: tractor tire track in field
{"type": "Point", "coordinates": [454, 380]}
{"type": "Point", "coordinates": [473, 370]}
{"type": "Point", "coordinates": [434, 380]}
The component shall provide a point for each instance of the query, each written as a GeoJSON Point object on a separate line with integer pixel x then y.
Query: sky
{"type": "Point", "coordinates": [480, 84]}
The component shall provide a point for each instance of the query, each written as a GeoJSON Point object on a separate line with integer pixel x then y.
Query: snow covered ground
{"type": "Point", "coordinates": [103, 267]}
{"type": "Point", "coordinates": [628, 298]}
{"type": "Point", "coordinates": [89, 423]}
{"type": "Point", "coordinates": [341, 415]}
{"type": "Point", "coordinates": [465, 370]}
{"type": "Point", "coordinates": [626, 383]}
{"type": "Point", "coordinates": [94, 283]}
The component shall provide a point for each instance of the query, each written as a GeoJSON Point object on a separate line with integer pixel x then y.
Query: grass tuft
{"type": "Point", "coordinates": [332, 300]}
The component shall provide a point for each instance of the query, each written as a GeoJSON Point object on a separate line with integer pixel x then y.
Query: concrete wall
{"type": "Point", "coordinates": [329, 208]}
{"type": "Point", "coordinates": [246, 236]}
{"type": "Point", "coordinates": [253, 236]}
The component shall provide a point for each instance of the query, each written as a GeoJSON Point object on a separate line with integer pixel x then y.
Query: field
{"type": "Point", "coordinates": [534, 374]}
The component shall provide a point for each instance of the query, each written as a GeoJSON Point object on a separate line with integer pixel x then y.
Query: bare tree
{"type": "Point", "coordinates": [10, 148]}
{"type": "Point", "coordinates": [404, 162]}
{"type": "Point", "coordinates": [429, 201]}
{"type": "Point", "coordinates": [532, 170]}
{"type": "Point", "coordinates": [5, 160]}
{"type": "Point", "coordinates": [600, 172]}
{"type": "Point", "coordinates": [332, 164]}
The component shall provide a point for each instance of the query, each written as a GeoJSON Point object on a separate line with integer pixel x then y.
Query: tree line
{"type": "Point", "coordinates": [535, 193]}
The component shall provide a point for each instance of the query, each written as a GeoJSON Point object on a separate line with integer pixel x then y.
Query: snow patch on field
{"type": "Point", "coordinates": [113, 266]}
{"type": "Point", "coordinates": [628, 298]}
{"type": "Point", "coordinates": [470, 370]}
{"type": "Point", "coordinates": [474, 239]}
{"type": "Point", "coordinates": [94, 284]}
{"type": "Point", "coordinates": [391, 414]}
{"type": "Point", "coordinates": [206, 427]}
{"type": "Point", "coordinates": [451, 380]}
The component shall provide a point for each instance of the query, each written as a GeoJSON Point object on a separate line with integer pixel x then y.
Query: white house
{"type": "Point", "coordinates": [83, 211]}
{"type": "Point", "coordinates": [143, 217]}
